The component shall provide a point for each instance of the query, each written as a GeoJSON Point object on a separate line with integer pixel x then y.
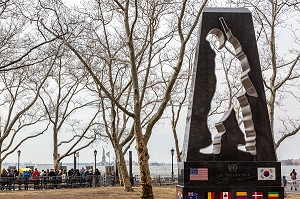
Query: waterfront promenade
{"type": "Point", "coordinates": [288, 189]}
{"type": "Point", "coordinates": [88, 193]}
{"type": "Point", "coordinates": [166, 192]}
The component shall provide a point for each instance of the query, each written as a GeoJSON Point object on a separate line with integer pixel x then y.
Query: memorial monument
{"type": "Point", "coordinates": [228, 172]}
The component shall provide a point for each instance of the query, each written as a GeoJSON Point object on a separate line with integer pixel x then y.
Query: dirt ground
{"type": "Point", "coordinates": [86, 193]}
{"type": "Point", "coordinates": [95, 193]}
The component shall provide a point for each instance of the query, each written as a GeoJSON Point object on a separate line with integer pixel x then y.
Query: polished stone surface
{"type": "Point", "coordinates": [197, 134]}
{"type": "Point", "coordinates": [230, 173]}
{"type": "Point", "coordinates": [228, 169]}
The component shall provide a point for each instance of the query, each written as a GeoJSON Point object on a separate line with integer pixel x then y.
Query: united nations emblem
{"type": "Point", "coordinates": [232, 167]}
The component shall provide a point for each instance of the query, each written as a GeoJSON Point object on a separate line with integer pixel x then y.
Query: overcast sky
{"type": "Point", "coordinates": [161, 142]}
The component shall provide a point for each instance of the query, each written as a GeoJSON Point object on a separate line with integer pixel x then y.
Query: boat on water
{"type": "Point", "coordinates": [155, 164]}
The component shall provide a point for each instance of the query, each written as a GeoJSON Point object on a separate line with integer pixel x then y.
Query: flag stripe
{"type": "Point", "coordinates": [211, 195]}
{"type": "Point", "coordinates": [198, 173]}
{"type": "Point", "coordinates": [241, 193]}
{"type": "Point", "coordinates": [273, 195]}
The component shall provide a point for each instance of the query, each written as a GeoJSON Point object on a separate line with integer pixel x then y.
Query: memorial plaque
{"type": "Point", "coordinates": [228, 172]}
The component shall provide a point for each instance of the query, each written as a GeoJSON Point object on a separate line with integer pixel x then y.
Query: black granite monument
{"type": "Point", "coordinates": [228, 172]}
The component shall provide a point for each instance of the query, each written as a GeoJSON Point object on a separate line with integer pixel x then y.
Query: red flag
{"type": "Point", "coordinates": [225, 195]}
{"type": "Point", "coordinates": [257, 195]}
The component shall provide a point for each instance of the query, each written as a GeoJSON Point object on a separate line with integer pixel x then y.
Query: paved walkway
{"type": "Point", "coordinates": [288, 189]}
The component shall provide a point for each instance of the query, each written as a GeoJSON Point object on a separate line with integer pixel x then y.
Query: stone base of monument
{"type": "Point", "coordinates": [229, 180]}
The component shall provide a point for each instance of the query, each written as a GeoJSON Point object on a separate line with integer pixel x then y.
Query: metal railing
{"type": "Point", "coordinates": [158, 180]}
{"type": "Point", "coordinates": [54, 182]}
{"type": "Point", "coordinates": [58, 182]}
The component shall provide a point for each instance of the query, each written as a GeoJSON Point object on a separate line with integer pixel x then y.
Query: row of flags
{"type": "Point", "coordinates": [228, 195]}
{"type": "Point", "coordinates": [201, 174]}
{"type": "Point", "coordinates": [263, 173]}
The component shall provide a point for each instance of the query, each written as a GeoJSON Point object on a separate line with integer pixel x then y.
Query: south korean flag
{"type": "Point", "coordinates": [266, 173]}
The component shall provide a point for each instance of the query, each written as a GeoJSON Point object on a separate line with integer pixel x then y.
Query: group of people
{"type": "Point", "coordinates": [8, 185]}
{"type": "Point", "coordinates": [10, 177]}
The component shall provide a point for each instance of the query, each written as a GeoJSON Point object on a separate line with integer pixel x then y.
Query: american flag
{"type": "Point", "coordinates": [198, 173]}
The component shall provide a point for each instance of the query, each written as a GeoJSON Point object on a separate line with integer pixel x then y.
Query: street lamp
{"type": "Point", "coordinates": [172, 153]}
{"type": "Point", "coordinates": [77, 155]}
{"type": "Point", "coordinates": [95, 154]}
{"type": "Point", "coordinates": [74, 161]}
{"type": "Point", "coordinates": [19, 153]}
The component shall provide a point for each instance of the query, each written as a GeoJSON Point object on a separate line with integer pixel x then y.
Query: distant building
{"type": "Point", "coordinates": [290, 162]}
{"type": "Point", "coordinates": [296, 162]}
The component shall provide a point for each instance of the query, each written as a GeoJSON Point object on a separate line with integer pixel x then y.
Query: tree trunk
{"type": "Point", "coordinates": [55, 148]}
{"type": "Point", "coordinates": [146, 184]}
{"type": "Point", "coordinates": [55, 151]}
{"type": "Point", "coordinates": [56, 164]}
{"type": "Point", "coordinates": [1, 157]}
{"type": "Point", "coordinates": [120, 178]}
{"type": "Point", "coordinates": [177, 150]}
{"type": "Point", "coordinates": [1, 160]}
{"type": "Point", "coordinates": [123, 170]}
{"type": "Point", "coordinates": [271, 108]}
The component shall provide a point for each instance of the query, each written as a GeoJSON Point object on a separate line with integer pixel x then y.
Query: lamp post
{"type": "Point", "coordinates": [95, 154]}
{"type": "Point", "coordinates": [19, 153]}
{"type": "Point", "coordinates": [77, 155]}
{"type": "Point", "coordinates": [172, 153]}
{"type": "Point", "coordinates": [74, 161]}
{"type": "Point", "coordinates": [130, 168]}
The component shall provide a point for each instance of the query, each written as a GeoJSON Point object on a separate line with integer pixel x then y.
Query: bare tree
{"type": "Point", "coordinates": [179, 98]}
{"type": "Point", "coordinates": [145, 29]}
{"type": "Point", "coordinates": [20, 111]}
{"type": "Point", "coordinates": [275, 22]}
{"type": "Point", "coordinates": [55, 103]}
{"type": "Point", "coordinates": [70, 107]}
{"type": "Point", "coordinates": [120, 136]}
{"type": "Point", "coordinates": [18, 46]}
{"type": "Point", "coordinates": [19, 89]}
